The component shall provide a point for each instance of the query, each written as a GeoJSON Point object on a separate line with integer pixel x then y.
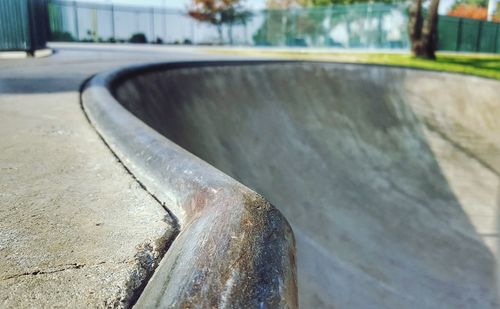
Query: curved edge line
{"type": "Point", "coordinates": [281, 290]}
{"type": "Point", "coordinates": [173, 222]}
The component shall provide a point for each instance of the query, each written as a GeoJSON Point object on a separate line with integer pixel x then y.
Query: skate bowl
{"type": "Point", "coordinates": [388, 176]}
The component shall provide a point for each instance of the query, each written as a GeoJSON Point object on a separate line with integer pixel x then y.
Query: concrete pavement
{"type": "Point", "coordinates": [396, 204]}
{"type": "Point", "coordinates": [76, 229]}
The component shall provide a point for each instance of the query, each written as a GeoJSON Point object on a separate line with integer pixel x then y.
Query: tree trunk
{"type": "Point", "coordinates": [423, 34]}
{"type": "Point", "coordinates": [430, 33]}
{"type": "Point", "coordinates": [415, 22]}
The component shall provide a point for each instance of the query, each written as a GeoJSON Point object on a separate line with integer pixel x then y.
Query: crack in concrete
{"type": "Point", "coordinates": [64, 267]}
{"type": "Point", "coordinates": [45, 272]}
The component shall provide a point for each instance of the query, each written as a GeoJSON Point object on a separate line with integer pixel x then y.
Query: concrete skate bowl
{"type": "Point", "coordinates": [388, 176]}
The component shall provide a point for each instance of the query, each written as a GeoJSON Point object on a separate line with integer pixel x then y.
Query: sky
{"type": "Point", "coordinates": [251, 4]}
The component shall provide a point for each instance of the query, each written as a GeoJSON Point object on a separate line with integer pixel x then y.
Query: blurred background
{"type": "Point", "coordinates": [464, 25]}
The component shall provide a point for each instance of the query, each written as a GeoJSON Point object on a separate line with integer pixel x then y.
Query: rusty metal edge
{"type": "Point", "coordinates": [234, 248]}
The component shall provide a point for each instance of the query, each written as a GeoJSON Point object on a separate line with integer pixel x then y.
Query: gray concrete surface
{"type": "Point", "coordinates": [390, 177]}
{"type": "Point", "coordinates": [76, 230]}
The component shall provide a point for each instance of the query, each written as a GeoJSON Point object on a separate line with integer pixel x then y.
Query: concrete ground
{"type": "Point", "coordinates": [76, 230]}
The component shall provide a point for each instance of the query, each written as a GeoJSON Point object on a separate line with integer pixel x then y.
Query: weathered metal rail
{"type": "Point", "coordinates": [234, 248]}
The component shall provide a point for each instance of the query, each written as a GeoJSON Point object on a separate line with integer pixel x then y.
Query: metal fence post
{"type": "Point", "coordinates": [266, 28]}
{"type": "Point", "coordinates": [152, 24]}
{"type": "Point", "coordinates": [113, 34]}
{"type": "Point", "coordinates": [478, 38]}
{"type": "Point", "coordinates": [459, 35]}
{"type": "Point", "coordinates": [60, 17]}
{"type": "Point", "coordinates": [136, 22]}
{"type": "Point", "coordinates": [348, 27]}
{"type": "Point", "coordinates": [495, 44]}
{"type": "Point", "coordinates": [164, 25]}
{"type": "Point", "coordinates": [246, 33]}
{"type": "Point", "coordinates": [95, 27]}
{"type": "Point", "coordinates": [75, 13]}
{"type": "Point", "coordinates": [31, 47]}
{"type": "Point", "coordinates": [379, 29]}
{"type": "Point", "coordinates": [293, 32]}
{"type": "Point", "coordinates": [192, 32]}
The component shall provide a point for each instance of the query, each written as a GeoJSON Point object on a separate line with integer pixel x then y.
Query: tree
{"type": "Point", "coordinates": [234, 15]}
{"type": "Point", "coordinates": [469, 11]}
{"type": "Point", "coordinates": [285, 4]}
{"type": "Point", "coordinates": [220, 12]}
{"type": "Point", "coordinates": [423, 32]}
{"type": "Point", "coordinates": [477, 3]}
{"type": "Point", "coordinates": [475, 9]}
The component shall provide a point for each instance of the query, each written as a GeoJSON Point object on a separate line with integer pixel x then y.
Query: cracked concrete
{"type": "Point", "coordinates": [72, 219]}
{"type": "Point", "coordinates": [76, 229]}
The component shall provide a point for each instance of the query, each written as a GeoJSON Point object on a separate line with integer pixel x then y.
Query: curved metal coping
{"type": "Point", "coordinates": [234, 248]}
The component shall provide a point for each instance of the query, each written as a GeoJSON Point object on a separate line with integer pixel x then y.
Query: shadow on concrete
{"type": "Point", "coordinates": [39, 85]}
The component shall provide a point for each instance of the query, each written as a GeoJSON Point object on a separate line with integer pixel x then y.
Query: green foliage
{"type": "Point", "coordinates": [310, 3]}
{"type": "Point", "coordinates": [61, 36]}
{"type": "Point", "coordinates": [283, 4]}
{"type": "Point", "coordinates": [219, 12]}
{"type": "Point", "coordinates": [480, 3]}
{"type": "Point", "coordinates": [138, 38]}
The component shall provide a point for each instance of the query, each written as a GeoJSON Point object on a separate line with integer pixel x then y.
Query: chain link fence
{"type": "Point", "coordinates": [372, 26]}
{"type": "Point", "coordinates": [365, 26]}
{"type": "Point", "coordinates": [468, 35]}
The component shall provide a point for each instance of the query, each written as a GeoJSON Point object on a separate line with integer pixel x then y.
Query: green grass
{"type": "Point", "coordinates": [474, 64]}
